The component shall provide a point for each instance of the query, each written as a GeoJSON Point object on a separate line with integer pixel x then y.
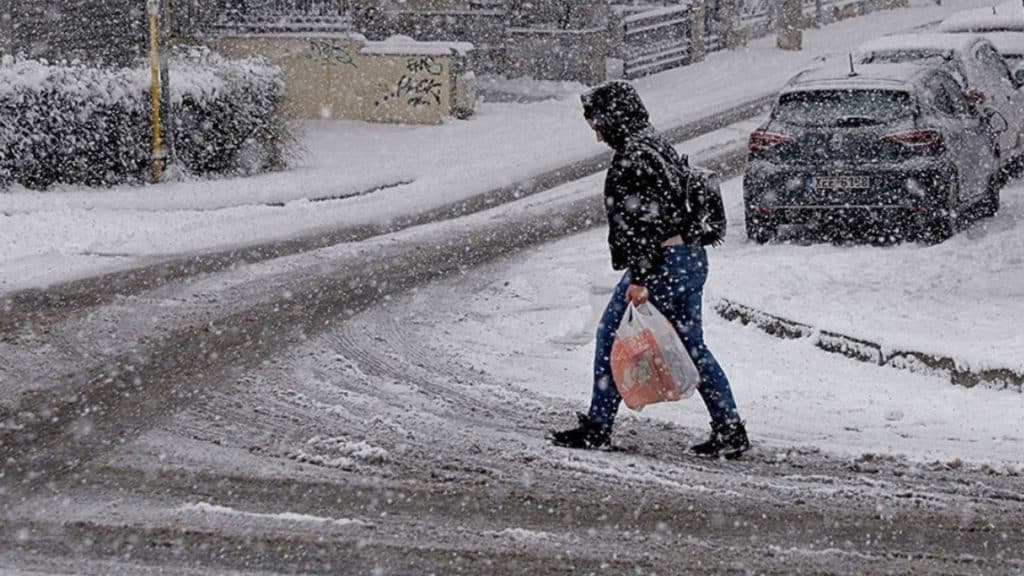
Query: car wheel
{"type": "Point", "coordinates": [943, 220]}
{"type": "Point", "coordinates": [989, 206]}
{"type": "Point", "coordinates": [760, 229]}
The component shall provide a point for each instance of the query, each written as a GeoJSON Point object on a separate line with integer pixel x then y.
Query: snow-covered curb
{"type": "Point", "coordinates": [960, 373]}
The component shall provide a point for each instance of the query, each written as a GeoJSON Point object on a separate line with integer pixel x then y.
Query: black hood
{"type": "Point", "coordinates": [617, 111]}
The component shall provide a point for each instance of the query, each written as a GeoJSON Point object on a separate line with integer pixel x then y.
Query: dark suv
{"type": "Point", "coordinates": [897, 145]}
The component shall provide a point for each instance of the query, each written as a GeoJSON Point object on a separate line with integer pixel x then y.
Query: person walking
{"type": "Point", "coordinates": [651, 238]}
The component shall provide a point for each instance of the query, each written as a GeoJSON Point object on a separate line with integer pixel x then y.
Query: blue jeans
{"type": "Point", "coordinates": [676, 289]}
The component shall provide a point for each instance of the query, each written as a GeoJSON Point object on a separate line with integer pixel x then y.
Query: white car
{"type": "Point", "coordinates": [1002, 24]}
{"type": "Point", "coordinates": [976, 64]}
{"type": "Point", "coordinates": [1005, 17]}
{"type": "Point", "coordinates": [1011, 47]}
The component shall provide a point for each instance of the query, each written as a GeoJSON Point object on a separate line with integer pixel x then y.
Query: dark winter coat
{"type": "Point", "coordinates": [639, 194]}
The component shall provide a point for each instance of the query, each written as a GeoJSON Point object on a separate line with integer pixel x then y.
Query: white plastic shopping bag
{"type": "Point", "coordinates": [649, 362]}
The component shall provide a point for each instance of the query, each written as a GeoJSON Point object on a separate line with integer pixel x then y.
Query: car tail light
{"type": "Point", "coordinates": [917, 139]}
{"type": "Point", "coordinates": [761, 141]}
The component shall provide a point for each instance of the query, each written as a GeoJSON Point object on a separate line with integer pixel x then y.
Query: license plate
{"type": "Point", "coordinates": [841, 182]}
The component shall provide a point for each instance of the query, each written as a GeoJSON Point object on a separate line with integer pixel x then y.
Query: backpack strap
{"type": "Point", "coordinates": [673, 170]}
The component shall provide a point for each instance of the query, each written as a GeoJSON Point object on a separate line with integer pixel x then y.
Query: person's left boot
{"type": "Point", "coordinates": [726, 441]}
{"type": "Point", "coordinates": [587, 436]}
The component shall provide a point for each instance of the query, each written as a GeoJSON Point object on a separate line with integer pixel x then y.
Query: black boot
{"type": "Point", "coordinates": [588, 435]}
{"type": "Point", "coordinates": [727, 441]}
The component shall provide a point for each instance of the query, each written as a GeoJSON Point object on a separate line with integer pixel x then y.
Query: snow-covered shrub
{"type": "Point", "coordinates": [70, 123]}
{"type": "Point", "coordinates": [226, 113]}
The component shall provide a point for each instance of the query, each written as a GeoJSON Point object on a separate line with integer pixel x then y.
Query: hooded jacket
{"type": "Point", "coordinates": [639, 193]}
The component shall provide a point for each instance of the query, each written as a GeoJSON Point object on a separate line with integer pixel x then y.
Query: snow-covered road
{"type": "Point", "coordinates": [409, 439]}
{"type": "Point", "coordinates": [380, 406]}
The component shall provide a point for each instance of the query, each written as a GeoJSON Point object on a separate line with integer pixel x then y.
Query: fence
{"type": "Point", "coordinates": [758, 16]}
{"type": "Point", "coordinates": [53, 30]}
{"type": "Point", "coordinates": [647, 37]}
{"type": "Point", "coordinates": [556, 54]}
{"type": "Point", "coordinates": [482, 25]}
{"type": "Point", "coordinates": [657, 40]}
{"type": "Point", "coordinates": [226, 16]}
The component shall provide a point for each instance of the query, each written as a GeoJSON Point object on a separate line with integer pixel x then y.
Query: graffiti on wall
{"type": "Point", "coordinates": [330, 52]}
{"type": "Point", "coordinates": [424, 64]}
{"type": "Point", "coordinates": [420, 86]}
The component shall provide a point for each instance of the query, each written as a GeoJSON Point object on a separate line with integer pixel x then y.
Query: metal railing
{"type": "Point", "coordinates": [657, 40]}
{"type": "Point", "coordinates": [197, 17]}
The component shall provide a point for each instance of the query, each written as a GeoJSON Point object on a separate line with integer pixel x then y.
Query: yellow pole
{"type": "Point", "coordinates": [154, 88]}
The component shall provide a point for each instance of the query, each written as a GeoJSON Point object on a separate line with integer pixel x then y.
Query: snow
{"type": "Point", "coordinates": [405, 45]}
{"type": "Point", "coordinates": [869, 77]}
{"type": "Point", "coordinates": [961, 298]}
{"type": "Point", "coordinates": [983, 21]}
{"type": "Point", "coordinates": [793, 395]}
{"type": "Point", "coordinates": [70, 233]}
{"type": "Point", "coordinates": [1009, 44]}
{"type": "Point", "coordinates": [939, 44]}
{"type": "Point", "coordinates": [1006, 16]}
{"type": "Point", "coordinates": [339, 452]}
{"type": "Point", "coordinates": [522, 534]}
{"type": "Point", "coordinates": [657, 12]}
{"type": "Point", "coordinates": [213, 509]}
{"type": "Point", "coordinates": [556, 31]}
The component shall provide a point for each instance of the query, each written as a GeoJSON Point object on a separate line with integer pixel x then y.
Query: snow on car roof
{"type": "Point", "coordinates": [867, 77]}
{"type": "Point", "coordinates": [1006, 16]}
{"type": "Point", "coordinates": [944, 44]}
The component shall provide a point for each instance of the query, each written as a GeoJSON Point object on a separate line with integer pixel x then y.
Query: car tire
{"type": "Point", "coordinates": [760, 229]}
{"type": "Point", "coordinates": [989, 206]}
{"type": "Point", "coordinates": [943, 221]}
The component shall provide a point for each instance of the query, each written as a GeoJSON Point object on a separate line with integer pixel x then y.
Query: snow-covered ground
{"type": "Point", "coordinates": [961, 298]}
{"type": "Point", "coordinates": [70, 233]}
{"type": "Point", "coordinates": [533, 325]}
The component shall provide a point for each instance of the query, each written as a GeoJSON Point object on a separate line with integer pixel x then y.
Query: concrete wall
{"type": "Point", "coordinates": [341, 76]}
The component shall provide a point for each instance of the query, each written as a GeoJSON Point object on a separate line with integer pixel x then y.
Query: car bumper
{"type": "Point", "coordinates": [789, 195]}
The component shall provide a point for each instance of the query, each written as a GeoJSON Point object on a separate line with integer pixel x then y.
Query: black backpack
{"type": "Point", "coordinates": [700, 194]}
{"type": "Point", "coordinates": [704, 198]}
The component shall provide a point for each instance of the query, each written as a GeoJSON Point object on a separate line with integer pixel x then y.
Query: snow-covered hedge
{"type": "Point", "coordinates": [69, 123]}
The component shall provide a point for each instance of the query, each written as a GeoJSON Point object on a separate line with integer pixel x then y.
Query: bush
{"type": "Point", "coordinates": [73, 124]}
{"type": "Point", "coordinates": [226, 113]}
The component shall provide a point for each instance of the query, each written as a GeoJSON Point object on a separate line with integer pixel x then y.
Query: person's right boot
{"type": "Point", "coordinates": [587, 436]}
{"type": "Point", "coordinates": [726, 441]}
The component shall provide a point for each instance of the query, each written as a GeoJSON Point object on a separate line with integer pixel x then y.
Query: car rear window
{"type": "Point", "coordinates": [835, 107]}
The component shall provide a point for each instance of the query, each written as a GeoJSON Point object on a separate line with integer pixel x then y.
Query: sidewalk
{"type": "Point", "coordinates": [71, 233]}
